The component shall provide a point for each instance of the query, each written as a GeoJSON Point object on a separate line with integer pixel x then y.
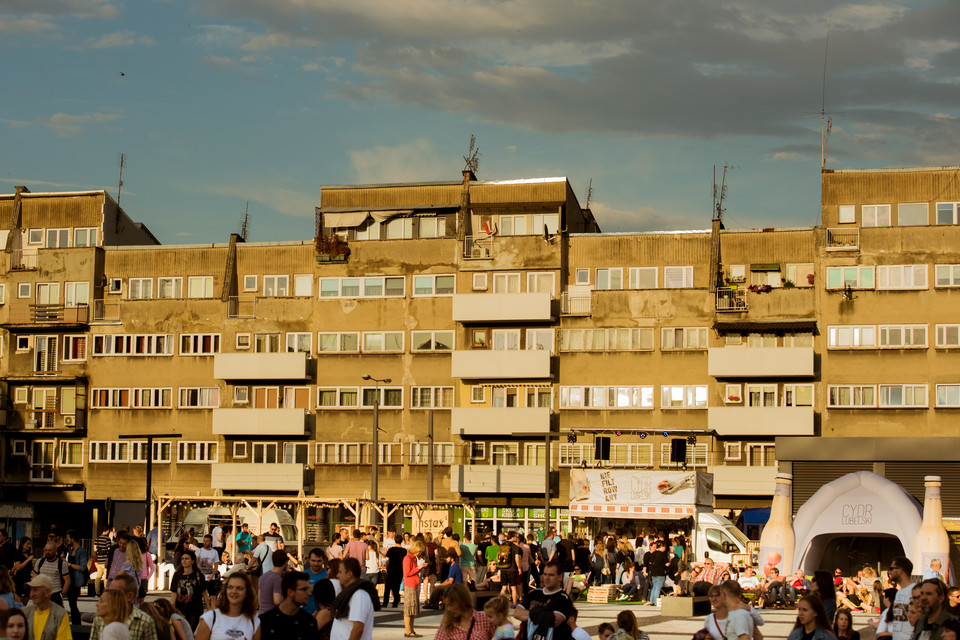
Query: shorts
{"type": "Point", "coordinates": [509, 577]}
{"type": "Point", "coordinates": [411, 602]}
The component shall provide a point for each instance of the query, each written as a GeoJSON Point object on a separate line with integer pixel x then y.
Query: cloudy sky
{"type": "Point", "coordinates": [219, 102]}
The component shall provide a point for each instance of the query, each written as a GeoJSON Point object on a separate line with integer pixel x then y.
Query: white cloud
{"type": "Point", "coordinates": [25, 26]}
{"type": "Point", "coordinates": [410, 162]}
{"type": "Point", "coordinates": [640, 219]}
{"type": "Point", "coordinates": [103, 9]}
{"type": "Point", "coordinates": [288, 201]}
{"type": "Point", "coordinates": [119, 39]}
{"type": "Point", "coordinates": [65, 125]}
{"type": "Point", "coordinates": [785, 155]}
{"type": "Point", "coordinates": [223, 63]}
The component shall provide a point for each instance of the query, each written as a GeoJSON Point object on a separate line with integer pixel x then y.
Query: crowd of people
{"type": "Point", "coordinates": [233, 586]}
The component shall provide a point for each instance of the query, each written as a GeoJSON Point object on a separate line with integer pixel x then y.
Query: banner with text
{"type": "Point", "coordinates": [636, 488]}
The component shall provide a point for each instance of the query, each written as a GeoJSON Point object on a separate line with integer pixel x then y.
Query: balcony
{"type": "Point", "coordinates": [731, 299]}
{"type": "Point", "coordinates": [23, 260]}
{"type": "Point", "coordinates": [761, 421]}
{"type": "Point", "coordinates": [478, 247]}
{"type": "Point", "coordinates": [106, 310]}
{"type": "Point", "coordinates": [743, 480]}
{"type": "Point", "coordinates": [502, 479]}
{"type": "Point", "coordinates": [49, 316]}
{"type": "Point", "coordinates": [260, 366]}
{"type": "Point", "coordinates": [760, 362]}
{"type": "Point", "coordinates": [500, 365]}
{"type": "Point", "coordinates": [843, 239]}
{"type": "Point", "coordinates": [245, 308]}
{"type": "Point", "coordinates": [259, 422]}
{"type": "Point", "coordinates": [575, 303]}
{"type": "Point", "coordinates": [501, 307]}
{"type": "Point", "coordinates": [499, 421]}
{"type": "Point", "coordinates": [251, 476]}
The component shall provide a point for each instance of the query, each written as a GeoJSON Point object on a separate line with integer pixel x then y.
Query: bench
{"type": "Point", "coordinates": [480, 597]}
{"type": "Point", "coordinates": [684, 606]}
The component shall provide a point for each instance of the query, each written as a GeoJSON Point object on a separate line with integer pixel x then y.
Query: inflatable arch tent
{"type": "Point", "coordinates": [857, 504]}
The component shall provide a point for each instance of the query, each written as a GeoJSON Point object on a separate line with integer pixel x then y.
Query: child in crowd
{"type": "Point", "coordinates": [497, 609]}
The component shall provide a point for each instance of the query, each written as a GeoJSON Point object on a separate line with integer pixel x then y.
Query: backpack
{"type": "Point", "coordinates": [59, 568]}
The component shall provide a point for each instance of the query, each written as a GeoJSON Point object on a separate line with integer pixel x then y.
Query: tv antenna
{"type": "Point", "coordinates": [120, 184]}
{"type": "Point", "coordinates": [472, 158]}
{"type": "Point", "coordinates": [719, 193]}
{"type": "Point", "coordinates": [825, 123]}
{"type": "Point", "coordinates": [586, 204]}
{"type": "Point", "coordinates": [245, 225]}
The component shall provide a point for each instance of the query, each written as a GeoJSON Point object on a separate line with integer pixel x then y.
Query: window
{"type": "Point", "coordinates": [199, 344]}
{"type": "Point", "coordinates": [115, 285]}
{"type": "Point", "coordinates": [382, 341]}
{"type": "Point", "coordinates": [71, 453]}
{"type": "Point", "coordinates": [875, 215]}
{"type": "Point", "coordinates": [696, 455]}
{"type": "Point", "coordinates": [250, 283]}
{"type": "Point", "coordinates": [903, 395]}
{"type": "Point", "coordinates": [643, 277]}
{"type": "Point", "coordinates": [161, 451]}
{"type": "Point", "coordinates": [478, 393]}
{"type": "Point", "coordinates": [761, 340]}
{"type": "Point", "coordinates": [296, 398]}
{"type": "Point", "coordinates": [913, 214]}
{"type": "Point", "coordinates": [74, 348]}
{"type": "Point", "coordinates": [947, 212]}
{"type": "Point", "coordinates": [506, 339]}
{"type": "Point", "coordinates": [800, 274]}
{"type": "Point", "coordinates": [765, 275]}
{"type": "Point", "coordinates": [948, 336]}
{"type": "Point", "coordinates": [397, 228]}
{"type": "Point", "coordinates": [241, 395]}
{"type": "Point", "coordinates": [332, 342]}
{"type": "Point", "coordinates": [152, 398]}
{"type": "Point", "coordinates": [266, 342]}
{"type": "Point", "coordinates": [549, 220]}
{"type": "Point", "coordinates": [583, 276]}
{"type": "Point", "coordinates": [133, 345]}
{"type": "Point", "coordinates": [903, 336]}
{"type": "Point", "coordinates": [303, 285]}
{"type": "Point", "coordinates": [19, 448]}
{"type": "Point", "coordinates": [854, 277]}
{"type": "Point", "coordinates": [140, 288]}
{"type": "Point", "coordinates": [948, 395]}
{"type": "Point", "coordinates": [683, 338]}
{"type": "Point", "coordinates": [540, 339]}
{"type": "Point", "coordinates": [573, 455]}
{"type": "Point", "coordinates": [431, 397]}
{"type": "Point", "coordinates": [505, 397]}
{"type": "Point", "coordinates": [200, 287]}
{"type": "Point", "coordinates": [110, 398]}
{"type": "Point", "coordinates": [479, 282]}
{"type": "Point", "coordinates": [76, 293]}
{"type": "Point", "coordinates": [611, 278]}
{"type": "Point", "coordinates": [847, 213]}
{"type": "Point", "coordinates": [852, 337]}
{"type": "Point", "coordinates": [761, 395]}
{"type": "Point", "coordinates": [434, 285]}
{"type": "Point", "coordinates": [169, 288]}
{"type": "Point", "coordinates": [276, 286]}
{"type": "Point", "coordinates": [337, 397]}
{"type": "Point", "coordinates": [478, 451]}
{"type": "Point", "coordinates": [683, 397]}
{"type": "Point", "coordinates": [109, 451]}
{"type": "Point", "coordinates": [907, 276]}
{"type": "Point", "coordinates": [239, 450]}
{"type": "Point", "coordinates": [732, 451]}
{"type": "Point", "coordinates": [3, 292]}
{"type": "Point", "coordinates": [948, 275]}
{"type": "Point", "coordinates": [300, 342]}
{"type": "Point", "coordinates": [341, 453]}
{"type": "Point", "coordinates": [761, 455]}
{"type": "Point", "coordinates": [375, 287]}
{"type": "Point", "coordinates": [540, 397]}
{"type": "Point", "coordinates": [199, 397]}
{"type": "Point", "coordinates": [504, 453]}
{"type": "Point", "coordinates": [733, 394]}
{"type": "Point", "coordinates": [35, 236]}
{"type": "Point", "coordinates": [607, 397]}
{"type": "Point", "coordinates": [23, 343]}
{"type": "Point", "coordinates": [243, 341]}
{"type": "Point", "coordinates": [264, 452]}
{"type": "Point", "coordinates": [266, 397]}
{"type": "Point", "coordinates": [196, 451]}
{"type": "Point", "coordinates": [57, 238]}
{"type": "Point", "coordinates": [442, 453]}
{"type": "Point", "coordinates": [390, 397]}
{"type": "Point", "coordinates": [541, 282]}
{"type": "Point", "coordinates": [431, 341]}
{"type": "Point", "coordinates": [612, 339]}
{"type": "Point", "coordinates": [851, 396]}
{"type": "Point", "coordinates": [798, 395]}
{"type": "Point", "coordinates": [45, 353]}
{"type": "Point", "coordinates": [24, 290]}
{"type": "Point", "coordinates": [296, 453]}
{"type": "Point", "coordinates": [513, 225]}
{"type": "Point", "coordinates": [435, 227]}
{"type": "Point", "coordinates": [85, 237]}
{"type": "Point", "coordinates": [678, 277]}
{"type": "Point", "coordinates": [506, 283]}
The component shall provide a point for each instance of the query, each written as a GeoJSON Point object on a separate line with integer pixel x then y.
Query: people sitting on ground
{"type": "Point", "coordinates": [796, 587]}
{"type": "Point", "coordinates": [750, 584]}
{"type": "Point", "coordinates": [772, 593]}
{"type": "Point", "coordinates": [629, 581]}
{"type": "Point", "coordinates": [577, 582]}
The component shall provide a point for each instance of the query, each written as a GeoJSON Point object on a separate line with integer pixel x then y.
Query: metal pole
{"type": "Point", "coordinates": [375, 457]}
{"type": "Point", "coordinates": [546, 489]}
{"type": "Point", "coordinates": [430, 455]}
{"type": "Point", "coordinates": [149, 514]}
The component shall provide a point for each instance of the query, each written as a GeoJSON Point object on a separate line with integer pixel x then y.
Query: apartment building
{"type": "Point", "coordinates": [500, 314]}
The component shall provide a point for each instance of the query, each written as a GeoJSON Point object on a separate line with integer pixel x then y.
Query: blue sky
{"type": "Point", "coordinates": [220, 102]}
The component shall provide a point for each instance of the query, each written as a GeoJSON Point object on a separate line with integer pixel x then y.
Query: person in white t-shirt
{"type": "Point", "coordinates": [739, 622]}
{"type": "Point", "coordinates": [578, 633]}
{"type": "Point", "coordinates": [749, 582]}
{"type": "Point", "coordinates": [234, 615]}
{"type": "Point", "coordinates": [359, 612]}
{"type": "Point", "coordinates": [208, 559]}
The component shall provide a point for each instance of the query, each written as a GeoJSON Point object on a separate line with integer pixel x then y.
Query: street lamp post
{"type": "Point", "coordinates": [148, 516]}
{"type": "Point", "coordinates": [375, 454]}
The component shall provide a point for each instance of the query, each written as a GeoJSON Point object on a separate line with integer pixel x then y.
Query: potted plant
{"type": "Point", "coordinates": [810, 279]}
{"type": "Point", "coordinates": [331, 249]}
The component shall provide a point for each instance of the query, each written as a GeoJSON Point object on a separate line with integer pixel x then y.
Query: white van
{"type": "Point", "coordinates": [718, 536]}
{"type": "Point", "coordinates": [203, 520]}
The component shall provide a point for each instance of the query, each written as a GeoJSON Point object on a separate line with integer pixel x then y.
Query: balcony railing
{"type": "Point", "coordinates": [731, 299]}
{"type": "Point", "coordinates": [106, 310]}
{"type": "Point", "coordinates": [49, 314]}
{"type": "Point", "coordinates": [22, 260]}
{"type": "Point", "coordinates": [843, 239]}
{"type": "Point", "coordinates": [478, 247]}
{"type": "Point", "coordinates": [575, 304]}
{"type": "Point", "coordinates": [237, 308]}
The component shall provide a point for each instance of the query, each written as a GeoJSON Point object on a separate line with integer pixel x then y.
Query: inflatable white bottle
{"type": "Point", "coordinates": [777, 540]}
{"type": "Point", "coordinates": [932, 540]}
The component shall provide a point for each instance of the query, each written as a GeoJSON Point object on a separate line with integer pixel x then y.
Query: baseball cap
{"type": "Point", "coordinates": [41, 581]}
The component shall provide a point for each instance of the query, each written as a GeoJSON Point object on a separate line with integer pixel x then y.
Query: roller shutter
{"type": "Point", "coordinates": [909, 475]}
{"type": "Point", "coordinates": [808, 477]}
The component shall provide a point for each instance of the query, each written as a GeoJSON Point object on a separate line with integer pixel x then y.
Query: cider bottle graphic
{"type": "Point", "coordinates": [932, 541]}
{"type": "Point", "coordinates": [777, 539]}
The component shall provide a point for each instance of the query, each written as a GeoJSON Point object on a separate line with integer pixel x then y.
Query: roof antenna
{"type": "Point", "coordinates": [245, 225]}
{"type": "Point", "coordinates": [120, 184]}
{"type": "Point", "coordinates": [586, 204]}
{"type": "Point", "coordinates": [825, 123]}
{"type": "Point", "coordinates": [472, 159]}
{"type": "Point", "coordinates": [719, 193]}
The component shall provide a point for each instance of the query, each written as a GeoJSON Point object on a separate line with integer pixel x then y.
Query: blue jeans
{"type": "Point", "coordinates": [656, 585]}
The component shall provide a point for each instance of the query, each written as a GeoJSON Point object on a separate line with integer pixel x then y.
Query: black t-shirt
{"type": "Point", "coordinates": [8, 553]}
{"type": "Point", "coordinates": [581, 556]}
{"type": "Point", "coordinates": [566, 546]}
{"type": "Point", "coordinates": [482, 549]}
{"type": "Point", "coordinates": [658, 563]}
{"type": "Point", "coordinates": [558, 602]}
{"type": "Point", "coordinates": [395, 555]}
{"type": "Point", "coordinates": [277, 624]}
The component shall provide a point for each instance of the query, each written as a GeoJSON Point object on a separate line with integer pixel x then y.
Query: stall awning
{"type": "Point", "coordinates": [644, 512]}
{"type": "Point", "coordinates": [345, 220]}
{"type": "Point", "coordinates": [766, 325]}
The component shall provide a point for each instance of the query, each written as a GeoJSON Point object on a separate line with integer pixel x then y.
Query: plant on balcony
{"type": "Point", "coordinates": [331, 249]}
{"type": "Point", "coordinates": [733, 398]}
{"type": "Point", "coordinates": [760, 288]}
{"type": "Point", "coordinates": [788, 284]}
{"type": "Point", "coordinates": [736, 279]}
{"type": "Point", "coordinates": [810, 278]}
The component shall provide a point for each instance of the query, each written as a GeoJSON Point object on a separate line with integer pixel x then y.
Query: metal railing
{"type": "Point", "coordinates": [49, 313]}
{"type": "Point", "coordinates": [106, 310]}
{"type": "Point", "coordinates": [22, 260]}
{"type": "Point", "coordinates": [731, 299]}
{"type": "Point", "coordinates": [575, 304]}
{"type": "Point", "coordinates": [478, 247]}
{"type": "Point", "coordinates": [237, 308]}
{"type": "Point", "coordinates": [843, 239]}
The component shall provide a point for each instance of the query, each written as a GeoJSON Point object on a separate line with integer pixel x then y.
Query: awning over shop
{"type": "Point", "coordinates": [637, 512]}
{"type": "Point", "coordinates": [766, 325]}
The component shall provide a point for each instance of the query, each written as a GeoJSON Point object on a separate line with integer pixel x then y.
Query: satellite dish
{"type": "Point", "coordinates": [546, 234]}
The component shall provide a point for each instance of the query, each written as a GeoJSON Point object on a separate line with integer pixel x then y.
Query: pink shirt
{"type": "Point", "coordinates": [358, 549]}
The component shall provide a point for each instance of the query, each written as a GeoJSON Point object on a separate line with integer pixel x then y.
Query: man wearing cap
{"type": "Point", "coordinates": [44, 615]}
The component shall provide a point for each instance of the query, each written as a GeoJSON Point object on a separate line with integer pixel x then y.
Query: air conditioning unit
{"type": "Point", "coordinates": [69, 421]}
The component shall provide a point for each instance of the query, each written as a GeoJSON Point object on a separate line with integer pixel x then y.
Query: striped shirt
{"type": "Point", "coordinates": [103, 548]}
